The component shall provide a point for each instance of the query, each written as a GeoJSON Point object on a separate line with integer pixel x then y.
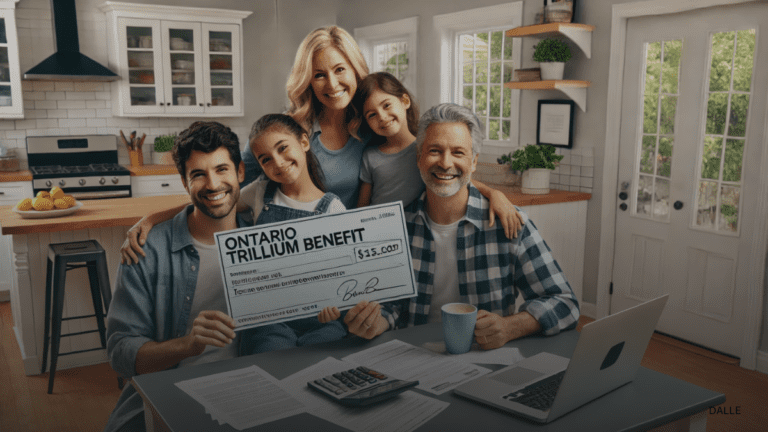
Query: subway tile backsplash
{"type": "Point", "coordinates": [82, 108]}
{"type": "Point", "coordinates": [574, 173]}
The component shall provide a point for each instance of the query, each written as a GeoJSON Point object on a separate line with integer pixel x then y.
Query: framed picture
{"type": "Point", "coordinates": [554, 123]}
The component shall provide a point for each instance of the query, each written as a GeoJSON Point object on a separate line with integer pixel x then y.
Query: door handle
{"type": "Point", "coordinates": [678, 205]}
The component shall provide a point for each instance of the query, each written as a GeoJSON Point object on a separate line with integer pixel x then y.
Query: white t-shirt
{"type": "Point", "coordinates": [253, 196]}
{"type": "Point", "coordinates": [209, 295]}
{"type": "Point", "coordinates": [446, 286]}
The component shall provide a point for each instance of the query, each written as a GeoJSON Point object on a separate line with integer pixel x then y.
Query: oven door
{"type": "Point", "coordinates": [88, 193]}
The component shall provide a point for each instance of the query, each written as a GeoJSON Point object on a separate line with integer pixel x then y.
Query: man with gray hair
{"type": "Point", "coordinates": [459, 257]}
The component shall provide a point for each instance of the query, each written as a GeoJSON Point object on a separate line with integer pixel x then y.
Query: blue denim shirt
{"type": "Point", "coordinates": [152, 302]}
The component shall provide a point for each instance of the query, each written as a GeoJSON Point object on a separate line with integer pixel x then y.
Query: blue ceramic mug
{"type": "Point", "coordinates": [458, 326]}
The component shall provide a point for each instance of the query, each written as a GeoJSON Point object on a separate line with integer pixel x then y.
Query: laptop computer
{"type": "Point", "coordinates": [546, 386]}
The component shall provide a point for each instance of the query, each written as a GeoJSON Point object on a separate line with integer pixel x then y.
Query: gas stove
{"type": "Point", "coordinates": [84, 166]}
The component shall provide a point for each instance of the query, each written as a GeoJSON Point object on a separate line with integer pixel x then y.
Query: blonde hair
{"type": "Point", "coordinates": [305, 108]}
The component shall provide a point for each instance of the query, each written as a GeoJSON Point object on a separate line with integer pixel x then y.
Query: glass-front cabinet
{"type": "Point", "coordinates": [11, 101]}
{"type": "Point", "coordinates": [177, 67]}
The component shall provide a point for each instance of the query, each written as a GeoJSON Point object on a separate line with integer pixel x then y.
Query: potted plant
{"type": "Point", "coordinates": [163, 145]}
{"type": "Point", "coordinates": [552, 54]}
{"type": "Point", "coordinates": [536, 163]}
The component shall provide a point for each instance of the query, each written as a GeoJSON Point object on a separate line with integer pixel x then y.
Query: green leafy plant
{"type": "Point", "coordinates": [531, 156]}
{"type": "Point", "coordinates": [552, 50]}
{"type": "Point", "coordinates": [164, 143]}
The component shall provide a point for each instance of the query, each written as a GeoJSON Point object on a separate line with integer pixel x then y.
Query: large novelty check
{"type": "Point", "coordinates": [293, 269]}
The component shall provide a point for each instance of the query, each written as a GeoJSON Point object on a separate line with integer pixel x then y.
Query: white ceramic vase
{"type": "Point", "coordinates": [552, 70]}
{"type": "Point", "coordinates": [535, 181]}
{"type": "Point", "coordinates": [164, 158]}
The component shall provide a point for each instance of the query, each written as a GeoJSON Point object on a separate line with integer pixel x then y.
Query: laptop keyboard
{"type": "Point", "coordinates": [538, 395]}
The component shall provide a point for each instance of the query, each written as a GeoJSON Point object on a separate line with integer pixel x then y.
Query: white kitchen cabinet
{"type": "Point", "coordinates": [10, 194]}
{"type": "Point", "coordinates": [175, 61]}
{"type": "Point", "coordinates": [142, 186]}
{"type": "Point", "coordinates": [11, 99]}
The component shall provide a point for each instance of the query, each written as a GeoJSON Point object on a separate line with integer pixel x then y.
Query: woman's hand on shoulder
{"type": "Point", "coordinates": [135, 238]}
{"type": "Point", "coordinates": [510, 218]}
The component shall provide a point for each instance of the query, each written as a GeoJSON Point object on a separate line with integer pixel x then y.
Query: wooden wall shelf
{"type": "Point", "coordinates": [575, 90]}
{"type": "Point", "coordinates": [580, 34]}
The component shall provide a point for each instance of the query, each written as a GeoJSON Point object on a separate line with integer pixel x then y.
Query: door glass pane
{"type": "Point", "coordinates": [648, 154]}
{"type": "Point", "coordinates": [141, 65]}
{"type": "Point", "coordinates": [710, 158]}
{"type": "Point", "coordinates": [220, 61]}
{"type": "Point", "coordinates": [644, 194]}
{"type": "Point", "coordinates": [729, 208]}
{"type": "Point", "coordinates": [737, 126]}
{"type": "Point", "coordinates": [706, 204]}
{"type": "Point", "coordinates": [722, 56]}
{"type": "Point", "coordinates": [661, 199]}
{"type": "Point", "coordinates": [745, 56]}
{"type": "Point", "coordinates": [219, 41]}
{"type": "Point", "coordinates": [671, 66]}
{"type": "Point", "coordinates": [721, 165]}
{"type": "Point", "coordinates": [734, 152]}
{"type": "Point", "coordinates": [716, 111]}
{"type": "Point", "coordinates": [656, 145]}
{"type": "Point", "coordinates": [222, 97]}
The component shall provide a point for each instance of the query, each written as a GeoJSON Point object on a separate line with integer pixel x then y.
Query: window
{"type": "Point", "coordinates": [476, 59]}
{"type": "Point", "coordinates": [725, 135]}
{"type": "Point", "coordinates": [391, 47]}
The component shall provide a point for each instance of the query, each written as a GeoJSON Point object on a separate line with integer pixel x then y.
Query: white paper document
{"type": "Point", "coordinates": [436, 373]}
{"type": "Point", "coordinates": [288, 270]}
{"type": "Point", "coordinates": [503, 356]}
{"type": "Point", "coordinates": [242, 398]}
{"type": "Point", "coordinates": [403, 413]}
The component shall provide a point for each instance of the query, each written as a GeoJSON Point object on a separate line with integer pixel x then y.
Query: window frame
{"type": "Point", "coordinates": [449, 26]}
{"type": "Point", "coordinates": [404, 30]}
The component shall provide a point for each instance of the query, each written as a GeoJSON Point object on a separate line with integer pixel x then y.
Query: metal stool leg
{"type": "Point", "coordinates": [96, 297]}
{"type": "Point", "coordinates": [47, 330]}
{"type": "Point", "coordinates": [60, 269]}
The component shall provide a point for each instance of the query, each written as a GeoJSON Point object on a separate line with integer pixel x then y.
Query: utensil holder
{"type": "Point", "coordinates": [136, 157]}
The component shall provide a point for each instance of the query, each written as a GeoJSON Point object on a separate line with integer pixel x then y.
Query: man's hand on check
{"type": "Point", "coordinates": [210, 328]}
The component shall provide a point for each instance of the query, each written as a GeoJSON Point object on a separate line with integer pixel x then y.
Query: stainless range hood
{"type": "Point", "coordinates": [67, 63]}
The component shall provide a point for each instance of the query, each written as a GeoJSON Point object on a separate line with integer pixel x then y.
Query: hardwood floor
{"type": "Point", "coordinates": [84, 397]}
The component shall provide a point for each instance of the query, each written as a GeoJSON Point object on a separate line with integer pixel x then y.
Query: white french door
{"type": "Point", "coordinates": [693, 101]}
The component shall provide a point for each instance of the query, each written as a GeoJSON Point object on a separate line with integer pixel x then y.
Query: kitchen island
{"type": "Point", "coordinates": [103, 220]}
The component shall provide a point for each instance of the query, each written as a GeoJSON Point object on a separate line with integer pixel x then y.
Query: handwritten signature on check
{"type": "Point", "coordinates": [348, 289]}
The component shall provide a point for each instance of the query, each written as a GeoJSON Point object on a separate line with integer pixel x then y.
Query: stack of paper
{"type": "Point", "coordinates": [242, 398]}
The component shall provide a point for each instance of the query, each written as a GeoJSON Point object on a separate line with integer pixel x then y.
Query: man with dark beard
{"type": "Point", "coordinates": [169, 309]}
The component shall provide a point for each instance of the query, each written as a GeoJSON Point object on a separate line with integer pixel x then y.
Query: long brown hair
{"type": "Point", "coordinates": [305, 107]}
{"type": "Point", "coordinates": [288, 124]}
{"type": "Point", "coordinates": [387, 83]}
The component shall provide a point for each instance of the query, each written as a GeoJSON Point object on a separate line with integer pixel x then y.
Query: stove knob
{"type": "Point", "coordinates": [115, 180]}
{"type": "Point", "coordinates": [82, 182]}
{"type": "Point", "coordinates": [102, 181]}
{"type": "Point", "coordinates": [49, 183]}
{"type": "Point", "coordinates": [62, 183]}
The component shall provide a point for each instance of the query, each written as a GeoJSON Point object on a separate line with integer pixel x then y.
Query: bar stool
{"type": "Point", "coordinates": [63, 257]}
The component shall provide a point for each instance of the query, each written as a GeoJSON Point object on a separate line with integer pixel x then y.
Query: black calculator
{"type": "Point", "coordinates": [360, 386]}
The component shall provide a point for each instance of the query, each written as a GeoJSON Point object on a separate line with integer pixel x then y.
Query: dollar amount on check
{"type": "Point", "coordinates": [290, 270]}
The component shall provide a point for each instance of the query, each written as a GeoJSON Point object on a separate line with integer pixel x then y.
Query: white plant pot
{"type": "Point", "coordinates": [164, 158]}
{"type": "Point", "coordinates": [535, 181]}
{"type": "Point", "coordinates": [552, 70]}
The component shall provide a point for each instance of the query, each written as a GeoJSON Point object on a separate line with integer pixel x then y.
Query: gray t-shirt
{"type": "Point", "coordinates": [395, 177]}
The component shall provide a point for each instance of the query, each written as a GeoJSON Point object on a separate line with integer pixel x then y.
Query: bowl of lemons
{"type": "Point", "coordinates": [47, 205]}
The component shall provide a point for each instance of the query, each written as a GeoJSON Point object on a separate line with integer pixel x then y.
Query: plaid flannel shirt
{"type": "Point", "coordinates": [492, 270]}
